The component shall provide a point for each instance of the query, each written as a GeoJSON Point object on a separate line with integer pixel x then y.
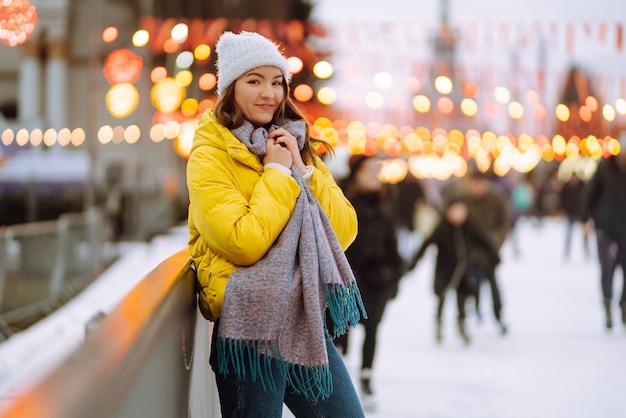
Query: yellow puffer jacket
{"type": "Point", "coordinates": [237, 209]}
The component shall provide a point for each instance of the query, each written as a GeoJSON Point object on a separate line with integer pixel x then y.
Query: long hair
{"type": "Point", "coordinates": [229, 115]}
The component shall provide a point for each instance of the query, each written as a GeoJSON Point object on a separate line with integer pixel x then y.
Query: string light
{"type": "Point", "coordinates": [17, 21]}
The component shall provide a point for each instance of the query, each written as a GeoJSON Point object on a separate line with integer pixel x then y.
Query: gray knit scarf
{"type": "Point", "coordinates": [273, 313]}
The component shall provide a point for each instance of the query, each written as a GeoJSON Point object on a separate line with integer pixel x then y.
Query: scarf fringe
{"type": "Point", "coordinates": [345, 306]}
{"type": "Point", "coordinates": [259, 357]}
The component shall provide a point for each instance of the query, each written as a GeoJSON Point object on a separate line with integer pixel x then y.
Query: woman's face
{"type": "Point", "coordinates": [259, 93]}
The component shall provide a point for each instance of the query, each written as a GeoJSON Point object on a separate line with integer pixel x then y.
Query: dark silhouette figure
{"type": "Point", "coordinates": [454, 236]}
{"type": "Point", "coordinates": [488, 209]}
{"type": "Point", "coordinates": [605, 205]}
{"type": "Point", "coordinates": [571, 195]}
{"type": "Point", "coordinates": [373, 256]}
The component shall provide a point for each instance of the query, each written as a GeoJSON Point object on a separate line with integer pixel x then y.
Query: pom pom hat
{"type": "Point", "coordinates": [239, 53]}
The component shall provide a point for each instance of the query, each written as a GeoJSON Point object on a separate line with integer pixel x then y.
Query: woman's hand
{"type": "Point", "coordinates": [276, 153]}
{"type": "Point", "coordinates": [288, 141]}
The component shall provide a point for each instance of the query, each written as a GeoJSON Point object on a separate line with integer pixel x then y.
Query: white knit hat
{"type": "Point", "coordinates": [239, 53]}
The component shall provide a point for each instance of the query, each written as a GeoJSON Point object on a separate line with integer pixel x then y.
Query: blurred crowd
{"type": "Point", "coordinates": [467, 221]}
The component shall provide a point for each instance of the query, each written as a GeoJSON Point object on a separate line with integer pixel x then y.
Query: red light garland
{"type": "Point", "coordinates": [17, 21]}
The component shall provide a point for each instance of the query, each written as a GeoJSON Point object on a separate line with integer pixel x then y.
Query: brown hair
{"type": "Point", "coordinates": [228, 114]}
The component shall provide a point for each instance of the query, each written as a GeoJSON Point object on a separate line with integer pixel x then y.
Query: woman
{"type": "Point", "coordinates": [268, 226]}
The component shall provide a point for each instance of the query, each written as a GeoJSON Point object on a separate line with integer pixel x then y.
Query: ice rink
{"type": "Point", "coordinates": [557, 359]}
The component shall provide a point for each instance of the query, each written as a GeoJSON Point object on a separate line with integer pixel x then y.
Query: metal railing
{"type": "Point", "coordinates": [43, 264]}
{"type": "Point", "coordinates": [147, 358]}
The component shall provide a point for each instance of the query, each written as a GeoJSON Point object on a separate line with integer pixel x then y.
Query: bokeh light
{"type": "Point", "coordinates": [323, 70]}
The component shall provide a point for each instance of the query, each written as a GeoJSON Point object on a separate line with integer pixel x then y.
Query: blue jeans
{"type": "Point", "coordinates": [243, 398]}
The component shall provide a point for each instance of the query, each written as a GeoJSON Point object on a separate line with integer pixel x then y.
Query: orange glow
{"type": "Point", "coordinates": [371, 148]}
{"type": "Point", "coordinates": [532, 97]}
{"type": "Point", "coordinates": [340, 124]}
{"type": "Point", "coordinates": [471, 90]}
{"type": "Point", "coordinates": [303, 92]}
{"type": "Point", "coordinates": [122, 66]}
{"type": "Point", "coordinates": [491, 107]}
{"type": "Point", "coordinates": [170, 46]}
{"type": "Point", "coordinates": [109, 34]}
{"type": "Point", "coordinates": [592, 103]}
{"type": "Point", "coordinates": [539, 111]}
{"type": "Point", "coordinates": [585, 113]}
{"type": "Point", "coordinates": [207, 81]}
{"type": "Point", "coordinates": [36, 137]}
{"type": "Point", "coordinates": [575, 139]}
{"type": "Point", "coordinates": [157, 74]}
{"type": "Point", "coordinates": [8, 136]}
{"type": "Point", "coordinates": [445, 105]}
{"type": "Point", "coordinates": [205, 104]}
{"type": "Point", "coordinates": [352, 100]}
{"type": "Point", "coordinates": [17, 21]}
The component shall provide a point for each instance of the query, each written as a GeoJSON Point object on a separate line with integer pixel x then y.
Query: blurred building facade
{"type": "Point", "coordinates": [55, 81]}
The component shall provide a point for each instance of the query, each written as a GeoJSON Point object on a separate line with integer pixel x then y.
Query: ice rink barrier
{"type": "Point", "coordinates": [147, 358]}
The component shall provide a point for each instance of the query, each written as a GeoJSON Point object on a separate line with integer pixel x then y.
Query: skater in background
{"type": "Point", "coordinates": [488, 209]}
{"type": "Point", "coordinates": [522, 203]}
{"type": "Point", "coordinates": [454, 236]}
{"type": "Point", "coordinates": [571, 195]}
{"type": "Point", "coordinates": [605, 207]}
{"type": "Point", "coordinates": [374, 258]}
{"type": "Point", "coordinates": [406, 198]}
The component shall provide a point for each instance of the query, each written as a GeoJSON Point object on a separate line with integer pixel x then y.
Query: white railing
{"type": "Point", "coordinates": [147, 358]}
{"type": "Point", "coordinates": [42, 264]}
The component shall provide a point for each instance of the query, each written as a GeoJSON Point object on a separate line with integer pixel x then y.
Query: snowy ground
{"type": "Point", "coordinates": [556, 361]}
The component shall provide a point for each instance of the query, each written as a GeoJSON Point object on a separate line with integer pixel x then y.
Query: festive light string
{"type": "Point", "coordinates": [17, 21]}
{"type": "Point", "coordinates": [424, 153]}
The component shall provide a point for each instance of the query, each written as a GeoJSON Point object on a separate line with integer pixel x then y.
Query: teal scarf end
{"type": "Point", "coordinates": [261, 360]}
{"type": "Point", "coordinates": [345, 306]}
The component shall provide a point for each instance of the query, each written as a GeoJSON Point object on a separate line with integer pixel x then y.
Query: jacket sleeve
{"type": "Point", "coordinates": [336, 206]}
{"type": "Point", "coordinates": [238, 211]}
{"type": "Point", "coordinates": [431, 239]}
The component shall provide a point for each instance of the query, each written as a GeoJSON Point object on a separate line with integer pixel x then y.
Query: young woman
{"type": "Point", "coordinates": [268, 226]}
